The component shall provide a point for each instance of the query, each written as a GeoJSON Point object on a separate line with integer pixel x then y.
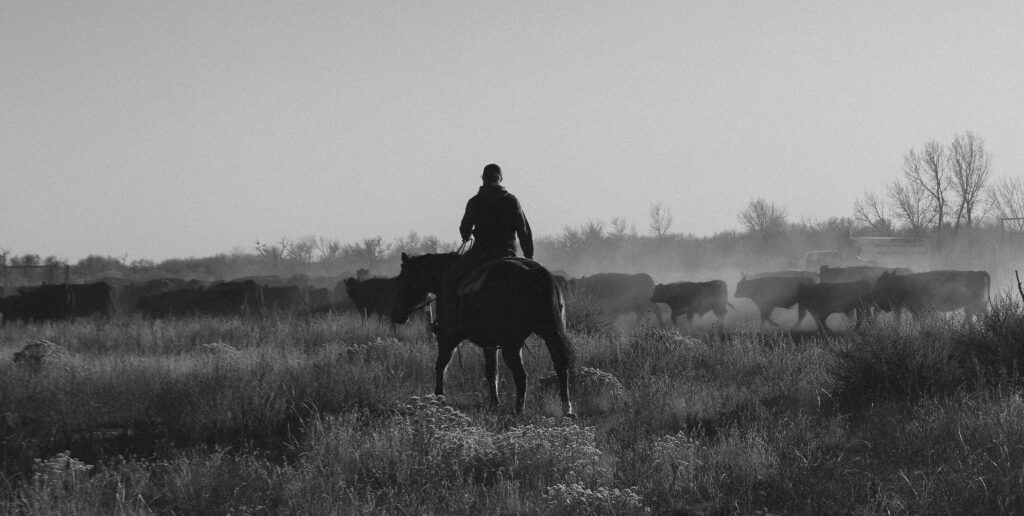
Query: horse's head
{"type": "Point", "coordinates": [420, 276]}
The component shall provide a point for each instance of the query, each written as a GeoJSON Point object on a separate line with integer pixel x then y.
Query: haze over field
{"type": "Point", "coordinates": [159, 130]}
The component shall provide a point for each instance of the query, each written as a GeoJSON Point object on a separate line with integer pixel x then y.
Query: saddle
{"type": "Point", "coordinates": [475, 280]}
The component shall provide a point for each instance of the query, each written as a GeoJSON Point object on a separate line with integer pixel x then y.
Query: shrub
{"type": "Point", "coordinates": [583, 315]}
{"type": "Point", "coordinates": [593, 391]}
{"type": "Point", "coordinates": [578, 500]}
{"type": "Point", "coordinates": [39, 354]}
{"type": "Point", "coordinates": [886, 365]}
{"type": "Point", "coordinates": [994, 347]}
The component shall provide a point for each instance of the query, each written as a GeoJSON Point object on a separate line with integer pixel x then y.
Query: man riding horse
{"type": "Point", "coordinates": [494, 218]}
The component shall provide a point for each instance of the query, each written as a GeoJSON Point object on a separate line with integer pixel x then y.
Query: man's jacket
{"type": "Point", "coordinates": [495, 218]}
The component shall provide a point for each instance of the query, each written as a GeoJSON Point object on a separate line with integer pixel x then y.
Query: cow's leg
{"type": "Point", "coordinates": [651, 307]}
{"type": "Point", "coordinates": [513, 356]}
{"type": "Point", "coordinates": [820, 322]}
{"type": "Point", "coordinates": [720, 313]}
{"type": "Point", "coordinates": [445, 348]}
{"type": "Point", "coordinates": [675, 317]}
{"type": "Point", "coordinates": [860, 314]}
{"type": "Point", "coordinates": [766, 316]}
{"type": "Point", "coordinates": [491, 372]}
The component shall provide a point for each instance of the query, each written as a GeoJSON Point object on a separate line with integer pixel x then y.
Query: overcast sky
{"type": "Point", "coordinates": [155, 129]}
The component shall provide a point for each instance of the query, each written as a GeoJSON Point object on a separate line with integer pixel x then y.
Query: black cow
{"type": "Point", "coordinates": [284, 299]}
{"type": "Point", "coordinates": [221, 299]}
{"type": "Point", "coordinates": [824, 299]}
{"type": "Point", "coordinates": [804, 275]}
{"type": "Point", "coordinates": [941, 291]}
{"type": "Point", "coordinates": [318, 299]}
{"type": "Point", "coordinates": [771, 292]}
{"type": "Point", "coordinates": [340, 300]}
{"type": "Point", "coordinates": [694, 298]}
{"type": "Point", "coordinates": [128, 298]}
{"type": "Point", "coordinates": [56, 302]}
{"type": "Point", "coordinates": [618, 293]}
{"type": "Point", "coordinates": [858, 273]}
{"type": "Point", "coordinates": [373, 295]}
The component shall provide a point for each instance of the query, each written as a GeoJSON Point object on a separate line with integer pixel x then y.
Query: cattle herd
{"type": "Point", "coordinates": [173, 297]}
{"type": "Point", "coordinates": [854, 291]}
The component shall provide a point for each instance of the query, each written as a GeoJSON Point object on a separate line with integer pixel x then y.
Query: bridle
{"type": "Point", "coordinates": [431, 297]}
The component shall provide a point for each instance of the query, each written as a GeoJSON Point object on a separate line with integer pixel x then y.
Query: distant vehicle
{"type": "Point", "coordinates": [894, 251]}
{"type": "Point", "coordinates": [813, 261]}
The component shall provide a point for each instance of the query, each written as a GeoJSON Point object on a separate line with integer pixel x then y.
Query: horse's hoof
{"type": "Point", "coordinates": [571, 415]}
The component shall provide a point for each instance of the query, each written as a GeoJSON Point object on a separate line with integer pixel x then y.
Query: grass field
{"type": "Point", "coordinates": [332, 415]}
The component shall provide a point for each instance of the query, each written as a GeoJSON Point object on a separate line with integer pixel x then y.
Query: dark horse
{"type": "Point", "coordinates": [518, 298]}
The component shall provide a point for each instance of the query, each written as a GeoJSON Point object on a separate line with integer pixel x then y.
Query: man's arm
{"type": "Point", "coordinates": [523, 232]}
{"type": "Point", "coordinates": [466, 227]}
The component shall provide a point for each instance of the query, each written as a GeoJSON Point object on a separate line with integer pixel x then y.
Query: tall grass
{"type": "Point", "coordinates": [331, 415]}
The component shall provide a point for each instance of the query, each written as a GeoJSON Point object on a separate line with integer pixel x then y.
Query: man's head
{"type": "Point", "coordinates": [492, 174]}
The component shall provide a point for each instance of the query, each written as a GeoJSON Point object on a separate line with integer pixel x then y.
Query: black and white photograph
{"type": "Point", "coordinates": [490, 257]}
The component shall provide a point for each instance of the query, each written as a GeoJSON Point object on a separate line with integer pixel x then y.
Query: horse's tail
{"type": "Point", "coordinates": [557, 304]}
{"type": "Point", "coordinates": [559, 300]}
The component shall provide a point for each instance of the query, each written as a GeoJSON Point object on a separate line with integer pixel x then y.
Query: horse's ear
{"type": "Point", "coordinates": [405, 257]}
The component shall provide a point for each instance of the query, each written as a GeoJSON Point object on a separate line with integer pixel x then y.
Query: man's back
{"type": "Point", "coordinates": [495, 218]}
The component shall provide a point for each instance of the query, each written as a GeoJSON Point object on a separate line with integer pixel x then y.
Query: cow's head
{"type": "Point", "coordinates": [661, 294]}
{"type": "Point", "coordinates": [415, 282]}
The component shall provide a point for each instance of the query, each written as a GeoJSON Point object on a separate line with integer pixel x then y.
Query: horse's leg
{"type": "Point", "coordinates": [445, 348]}
{"type": "Point", "coordinates": [558, 347]}
{"type": "Point", "coordinates": [513, 356]}
{"type": "Point", "coordinates": [491, 371]}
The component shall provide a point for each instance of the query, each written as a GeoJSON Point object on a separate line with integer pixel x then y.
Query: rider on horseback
{"type": "Point", "coordinates": [494, 218]}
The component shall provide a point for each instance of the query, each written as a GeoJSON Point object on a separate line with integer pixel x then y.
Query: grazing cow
{"type": "Point", "coordinates": [804, 275]}
{"type": "Point", "coordinates": [128, 298]}
{"type": "Point", "coordinates": [92, 299]}
{"type": "Point", "coordinates": [618, 293]}
{"type": "Point", "coordinates": [56, 302]}
{"type": "Point", "coordinates": [284, 299]}
{"type": "Point", "coordinates": [694, 298]}
{"type": "Point", "coordinates": [824, 299]}
{"type": "Point", "coordinates": [941, 291]}
{"type": "Point", "coordinates": [318, 299]}
{"type": "Point", "coordinates": [221, 299]}
{"type": "Point", "coordinates": [340, 300]}
{"type": "Point", "coordinates": [858, 273]}
{"type": "Point", "coordinates": [373, 295]}
{"type": "Point", "coordinates": [771, 292]}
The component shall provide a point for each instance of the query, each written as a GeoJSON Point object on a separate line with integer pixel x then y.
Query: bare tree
{"type": "Point", "coordinates": [621, 228]}
{"type": "Point", "coordinates": [329, 249]}
{"type": "Point", "coordinates": [912, 205]}
{"type": "Point", "coordinates": [1006, 197]}
{"type": "Point", "coordinates": [875, 213]}
{"type": "Point", "coordinates": [369, 251]}
{"type": "Point", "coordinates": [764, 219]}
{"type": "Point", "coordinates": [970, 165]}
{"type": "Point", "coordinates": [586, 234]}
{"type": "Point", "coordinates": [929, 170]}
{"type": "Point", "coordinates": [661, 219]}
{"type": "Point", "coordinates": [302, 249]}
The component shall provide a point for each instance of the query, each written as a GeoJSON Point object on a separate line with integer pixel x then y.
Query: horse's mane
{"type": "Point", "coordinates": [434, 263]}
